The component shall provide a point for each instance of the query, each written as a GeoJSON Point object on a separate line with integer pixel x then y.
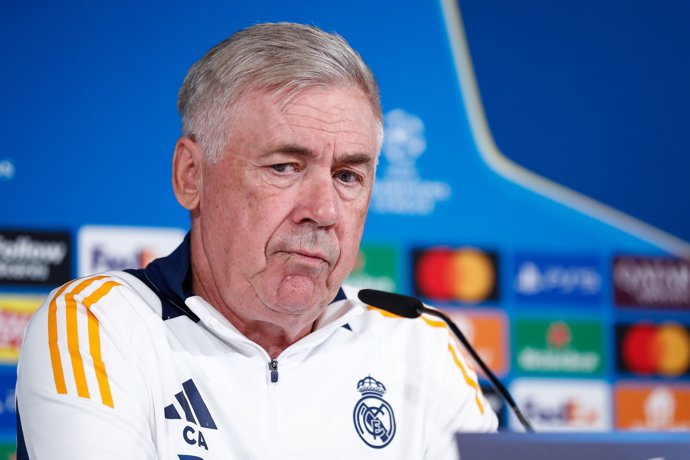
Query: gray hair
{"type": "Point", "coordinates": [273, 57]}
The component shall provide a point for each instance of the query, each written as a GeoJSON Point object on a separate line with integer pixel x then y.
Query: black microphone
{"type": "Point", "coordinates": [411, 307]}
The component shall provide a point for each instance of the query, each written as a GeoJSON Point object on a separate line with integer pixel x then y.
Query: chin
{"type": "Point", "coordinates": [299, 295]}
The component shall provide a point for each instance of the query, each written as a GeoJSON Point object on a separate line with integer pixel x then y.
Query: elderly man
{"type": "Point", "coordinates": [243, 343]}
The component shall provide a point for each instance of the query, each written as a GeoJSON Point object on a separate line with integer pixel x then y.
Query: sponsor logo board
{"type": "Point", "coordinates": [116, 248]}
{"type": "Point", "coordinates": [560, 279]}
{"type": "Point", "coordinates": [487, 331]}
{"type": "Point", "coordinates": [653, 349]}
{"type": "Point", "coordinates": [375, 268]}
{"type": "Point", "coordinates": [464, 275]}
{"type": "Point", "coordinates": [8, 451]}
{"type": "Point", "coordinates": [15, 312]}
{"type": "Point", "coordinates": [39, 258]}
{"type": "Point", "coordinates": [660, 282]}
{"type": "Point", "coordinates": [559, 346]}
{"type": "Point", "coordinates": [8, 416]}
{"type": "Point", "coordinates": [655, 407]}
{"type": "Point", "coordinates": [563, 404]}
{"type": "Point", "coordinates": [401, 190]}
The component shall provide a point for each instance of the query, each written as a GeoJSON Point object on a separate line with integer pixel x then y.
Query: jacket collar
{"type": "Point", "coordinates": [170, 278]}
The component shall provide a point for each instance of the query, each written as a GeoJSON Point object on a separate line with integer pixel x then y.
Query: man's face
{"type": "Point", "coordinates": [281, 214]}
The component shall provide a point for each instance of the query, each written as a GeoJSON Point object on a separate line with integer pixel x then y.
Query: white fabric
{"type": "Point", "coordinates": [309, 413]}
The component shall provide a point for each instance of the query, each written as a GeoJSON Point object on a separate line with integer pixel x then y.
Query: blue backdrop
{"type": "Point", "coordinates": [591, 96]}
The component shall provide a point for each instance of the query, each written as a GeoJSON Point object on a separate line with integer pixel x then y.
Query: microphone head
{"type": "Point", "coordinates": [398, 304]}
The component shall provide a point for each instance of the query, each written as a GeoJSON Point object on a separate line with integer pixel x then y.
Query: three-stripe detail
{"type": "Point", "coordinates": [467, 373]}
{"type": "Point", "coordinates": [192, 405]}
{"type": "Point", "coordinates": [67, 301]}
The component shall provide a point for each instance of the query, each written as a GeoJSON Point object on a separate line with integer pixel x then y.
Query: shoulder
{"type": "Point", "coordinates": [110, 292]}
{"type": "Point", "coordinates": [425, 341]}
{"type": "Point", "coordinates": [82, 363]}
{"type": "Point", "coordinates": [84, 327]}
{"type": "Point", "coordinates": [114, 302]}
{"type": "Point", "coordinates": [421, 335]}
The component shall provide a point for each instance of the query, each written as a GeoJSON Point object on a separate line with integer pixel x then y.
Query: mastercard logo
{"type": "Point", "coordinates": [647, 348]}
{"type": "Point", "coordinates": [464, 275]}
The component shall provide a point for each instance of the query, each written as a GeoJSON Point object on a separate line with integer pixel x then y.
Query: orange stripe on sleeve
{"type": "Point", "coordinates": [73, 336]}
{"type": "Point", "coordinates": [385, 313]}
{"type": "Point", "coordinates": [55, 360]}
{"type": "Point", "coordinates": [434, 323]}
{"type": "Point", "coordinates": [95, 342]}
{"type": "Point", "coordinates": [441, 324]}
{"type": "Point", "coordinates": [428, 321]}
{"type": "Point", "coordinates": [469, 380]}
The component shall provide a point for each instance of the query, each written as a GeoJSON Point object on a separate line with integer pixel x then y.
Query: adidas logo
{"type": "Point", "coordinates": [195, 412]}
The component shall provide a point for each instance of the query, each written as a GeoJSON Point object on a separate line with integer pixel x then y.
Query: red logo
{"type": "Point", "coordinates": [558, 335]}
{"type": "Point", "coordinates": [647, 348]}
{"type": "Point", "coordinates": [15, 312]}
{"type": "Point", "coordinates": [465, 275]}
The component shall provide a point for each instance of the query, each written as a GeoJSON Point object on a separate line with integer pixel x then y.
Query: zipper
{"type": "Point", "coordinates": [273, 409]}
{"type": "Point", "coordinates": [273, 368]}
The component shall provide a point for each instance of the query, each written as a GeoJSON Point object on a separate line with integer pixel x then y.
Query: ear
{"type": "Point", "coordinates": [188, 163]}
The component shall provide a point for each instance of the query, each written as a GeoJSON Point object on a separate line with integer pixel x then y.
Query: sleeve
{"type": "Point", "coordinates": [79, 393]}
{"type": "Point", "coordinates": [460, 405]}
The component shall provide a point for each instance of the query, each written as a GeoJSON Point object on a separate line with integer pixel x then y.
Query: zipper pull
{"type": "Point", "coordinates": [273, 367]}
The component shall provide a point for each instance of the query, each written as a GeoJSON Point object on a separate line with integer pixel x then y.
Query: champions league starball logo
{"type": "Point", "coordinates": [399, 188]}
{"type": "Point", "coordinates": [373, 417]}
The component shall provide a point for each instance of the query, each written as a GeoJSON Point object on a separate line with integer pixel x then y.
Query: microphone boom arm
{"type": "Point", "coordinates": [411, 307]}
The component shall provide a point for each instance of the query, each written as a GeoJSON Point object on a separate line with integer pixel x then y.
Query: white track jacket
{"type": "Point", "coordinates": [130, 365]}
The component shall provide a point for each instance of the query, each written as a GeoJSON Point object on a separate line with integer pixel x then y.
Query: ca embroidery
{"type": "Point", "coordinates": [373, 416]}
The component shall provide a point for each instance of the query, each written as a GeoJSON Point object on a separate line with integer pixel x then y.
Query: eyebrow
{"type": "Point", "coordinates": [293, 149]}
{"type": "Point", "coordinates": [355, 158]}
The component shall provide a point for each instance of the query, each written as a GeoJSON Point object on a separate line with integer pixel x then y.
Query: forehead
{"type": "Point", "coordinates": [330, 115]}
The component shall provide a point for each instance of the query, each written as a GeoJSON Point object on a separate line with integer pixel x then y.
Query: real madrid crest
{"type": "Point", "coordinates": [373, 417]}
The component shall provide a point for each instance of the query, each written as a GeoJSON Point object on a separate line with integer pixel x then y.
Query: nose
{"type": "Point", "coordinates": [318, 200]}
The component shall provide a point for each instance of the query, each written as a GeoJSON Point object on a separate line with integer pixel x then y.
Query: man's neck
{"type": "Point", "coordinates": [264, 325]}
{"type": "Point", "coordinates": [273, 337]}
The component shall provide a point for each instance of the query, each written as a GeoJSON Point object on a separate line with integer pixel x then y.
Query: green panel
{"type": "Point", "coordinates": [558, 346]}
{"type": "Point", "coordinates": [376, 268]}
{"type": "Point", "coordinates": [7, 451]}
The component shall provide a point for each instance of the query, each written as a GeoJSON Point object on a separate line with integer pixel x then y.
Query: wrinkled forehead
{"type": "Point", "coordinates": [282, 99]}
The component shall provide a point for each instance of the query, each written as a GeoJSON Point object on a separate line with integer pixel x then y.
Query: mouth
{"type": "Point", "coordinates": [308, 250]}
{"type": "Point", "coordinates": [309, 257]}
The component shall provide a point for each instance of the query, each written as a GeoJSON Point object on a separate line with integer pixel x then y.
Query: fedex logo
{"type": "Point", "coordinates": [102, 260]}
{"type": "Point", "coordinates": [563, 404]}
{"type": "Point", "coordinates": [569, 412]}
{"type": "Point", "coordinates": [116, 248]}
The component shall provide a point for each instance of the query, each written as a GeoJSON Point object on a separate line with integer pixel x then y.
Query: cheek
{"type": "Point", "coordinates": [357, 215]}
{"type": "Point", "coordinates": [258, 218]}
{"type": "Point", "coordinates": [353, 226]}
{"type": "Point", "coordinates": [228, 220]}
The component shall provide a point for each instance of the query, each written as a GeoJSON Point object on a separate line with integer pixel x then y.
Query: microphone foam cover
{"type": "Point", "coordinates": [398, 304]}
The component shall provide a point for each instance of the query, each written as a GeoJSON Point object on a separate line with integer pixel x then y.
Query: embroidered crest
{"type": "Point", "coordinates": [373, 417]}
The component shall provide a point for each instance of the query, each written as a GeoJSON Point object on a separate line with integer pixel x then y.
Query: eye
{"type": "Point", "coordinates": [284, 167]}
{"type": "Point", "coordinates": [348, 177]}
